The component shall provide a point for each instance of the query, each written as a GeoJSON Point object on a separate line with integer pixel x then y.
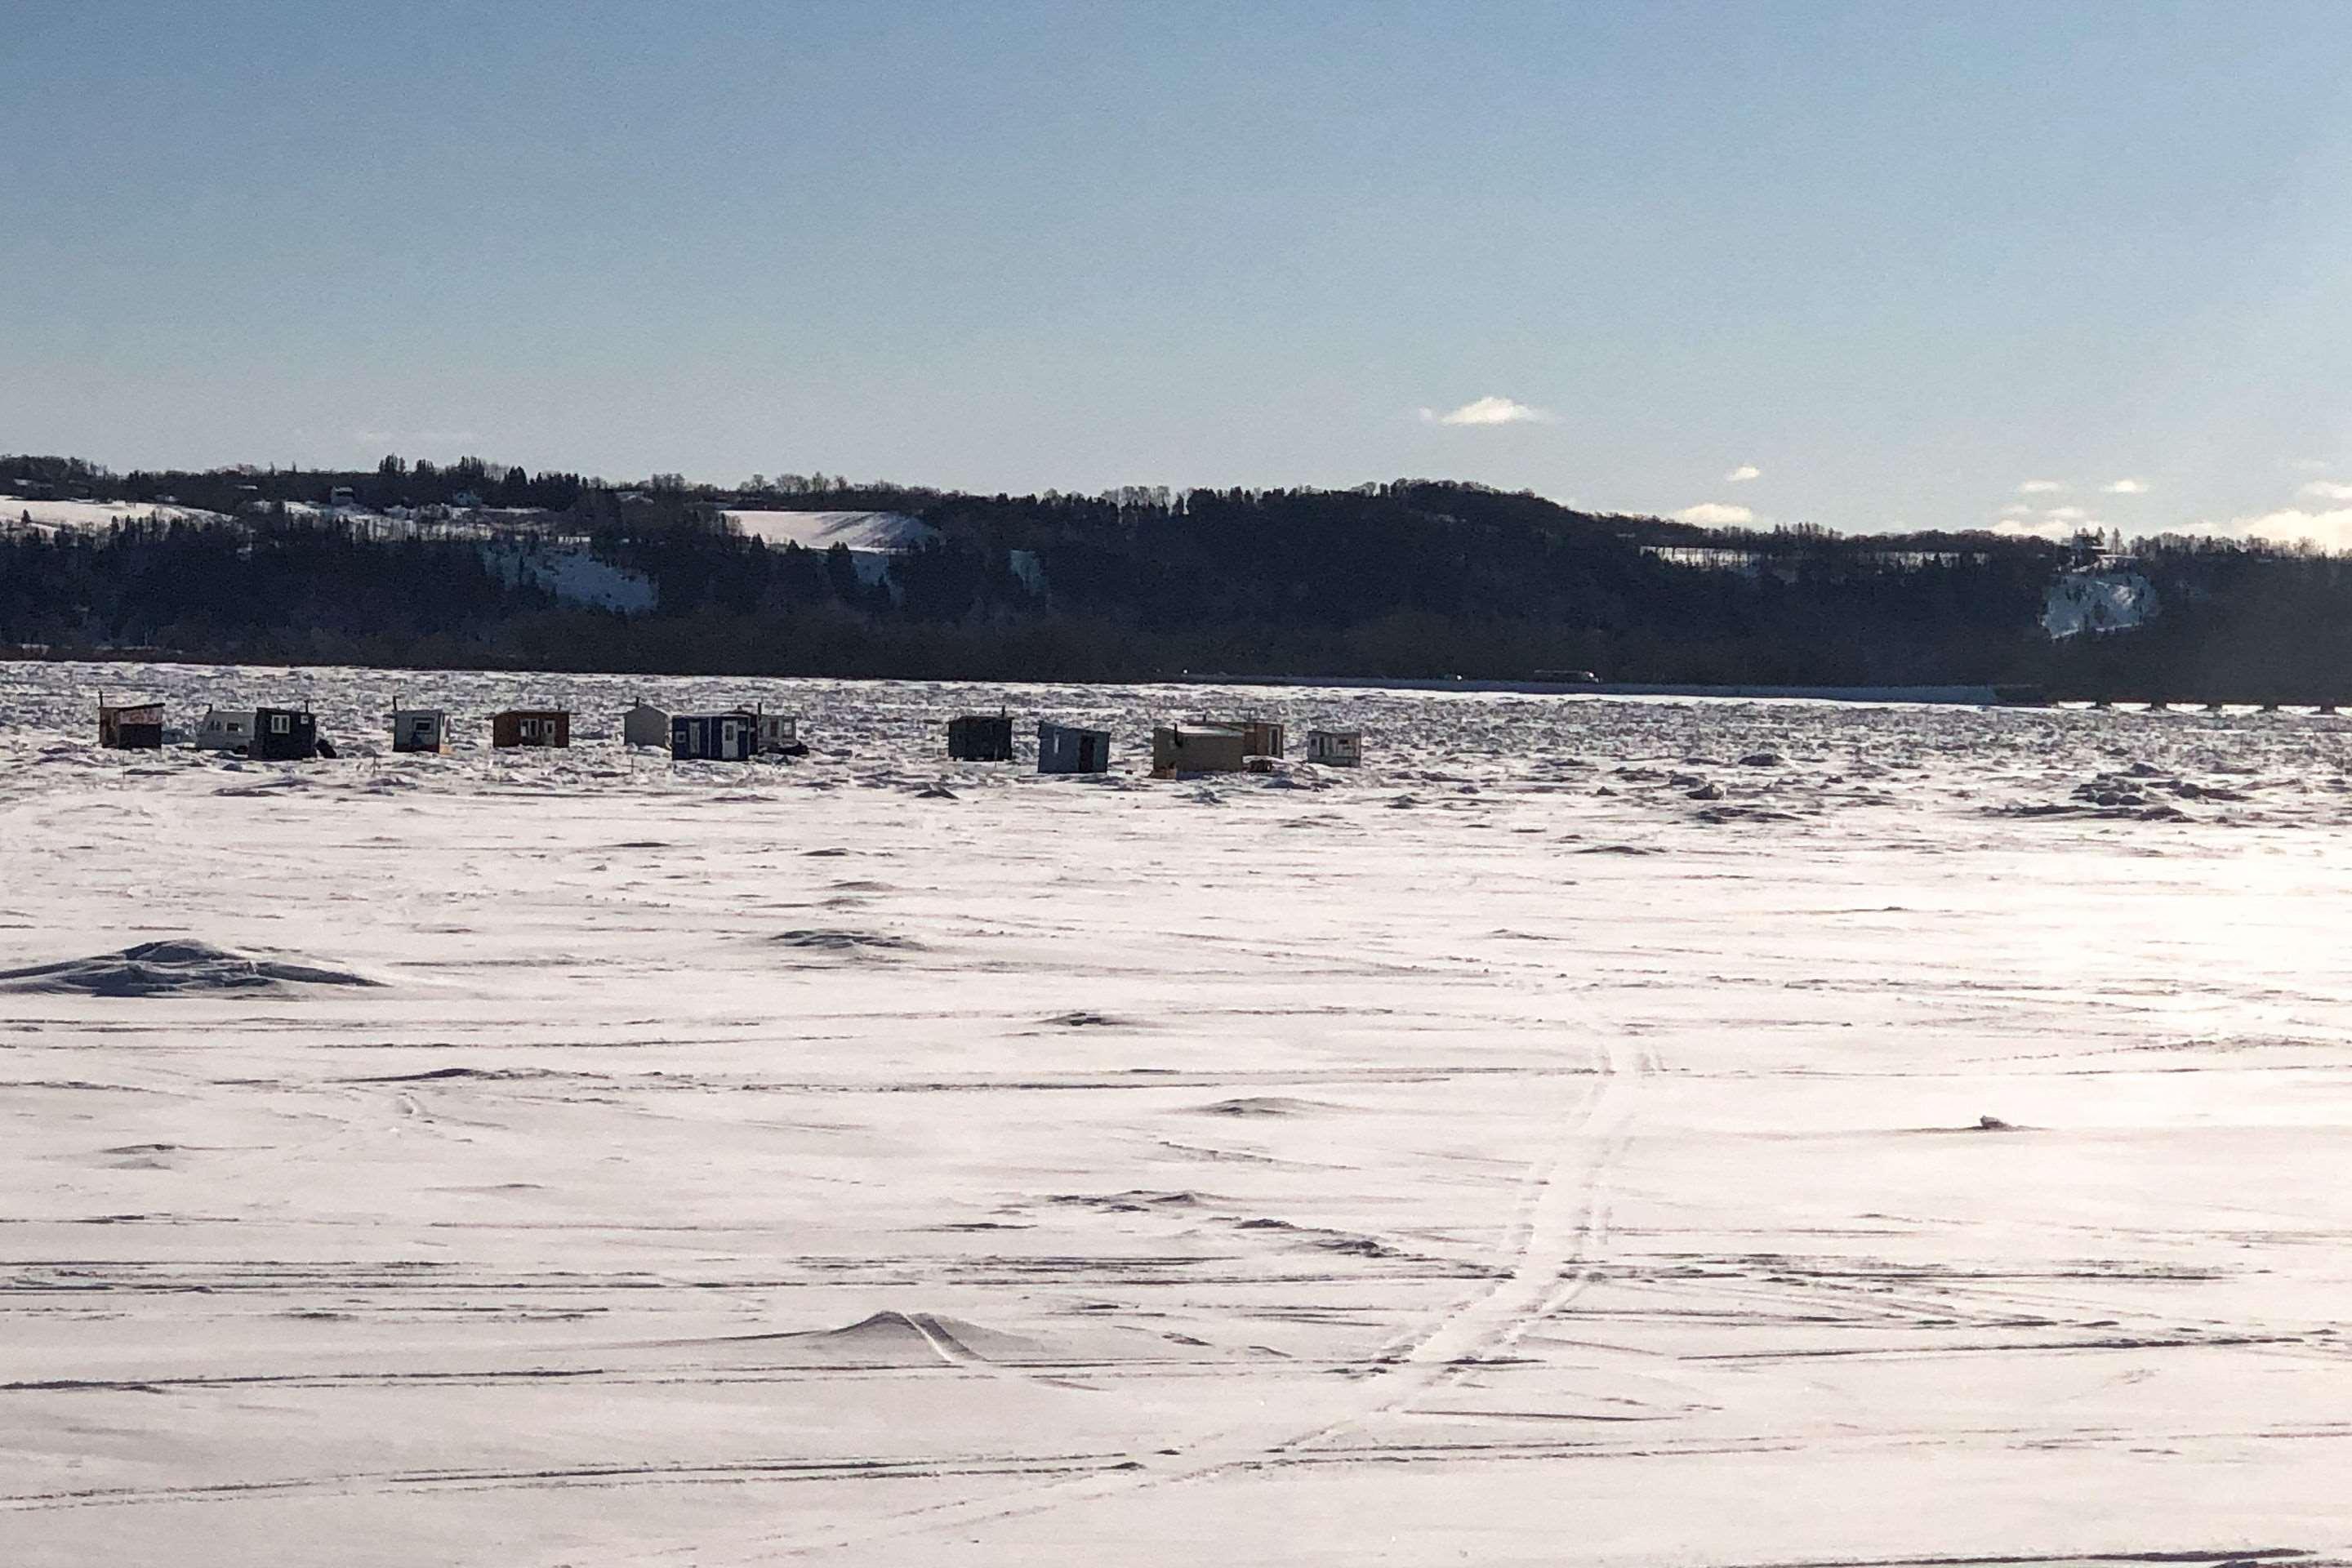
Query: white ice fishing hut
{"type": "Point", "coordinates": [1336, 748]}
{"type": "Point", "coordinates": [420, 730]}
{"type": "Point", "coordinates": [225, 729]}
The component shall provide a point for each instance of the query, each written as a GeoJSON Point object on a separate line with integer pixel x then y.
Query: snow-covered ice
{"type": "Point", "coordinates": [1639, 1132]}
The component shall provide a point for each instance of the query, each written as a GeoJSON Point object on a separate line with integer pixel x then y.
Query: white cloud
{"type": "Point", "coordinates": [1488, 411]}
{"type": "Point", "coordinates": [1742, 474]}
{"type": "Point", "coordinates": [2020, 528]}
{"type": "Point", "coordinates": [2325, 489]}
{"type": "Point", "coordinates": [2331, 529]}
{"type": "Point", "coordinates": [2016, 508]}
{"type": "Point", "coordinates": [1715, 514]}
{"type": "Point", "coordinates": [2040, 487]}
{"type": "Point", "coordinates": [2125, 487]}
{"type": "Point", "coordinates": [2067, 514]}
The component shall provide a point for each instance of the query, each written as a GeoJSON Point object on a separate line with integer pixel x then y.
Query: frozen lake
{"type": "Point", "coordinates": [1558, 1141]}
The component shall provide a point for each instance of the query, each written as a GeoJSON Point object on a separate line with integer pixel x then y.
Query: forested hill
{"type": "Point", "coordinates": [476, 566]}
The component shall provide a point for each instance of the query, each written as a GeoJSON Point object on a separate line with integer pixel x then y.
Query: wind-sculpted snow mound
{"type": "Point", "coordinates": [1266, 1105]}
{"type": "Point", "coordinates": [896, 1339]}
{"type": "Point", "coordinates": [846, 941]}
{"type": "Point", "coordinates": [169, 969]}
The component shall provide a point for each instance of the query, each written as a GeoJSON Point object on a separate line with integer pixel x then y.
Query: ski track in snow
{"type": "Point", "coordinates": [1558, 1139]}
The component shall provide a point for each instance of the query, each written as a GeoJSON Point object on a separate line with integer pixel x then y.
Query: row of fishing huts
{"type": "Point", "coordinates": [291, 734]}
{"type": "Point", "coordinates": [735, 734]}
{"type": "Point", "coordinates": [1203, 746]}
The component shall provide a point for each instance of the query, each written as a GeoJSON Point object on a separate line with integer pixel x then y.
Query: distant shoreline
{"type": "Point", "coordinates": [1964, 696]}
{"type": "Point", "coordinates": [1982, 696]}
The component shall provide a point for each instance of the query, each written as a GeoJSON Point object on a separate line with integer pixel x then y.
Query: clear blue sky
{"type": "Point", "coordinates": [1902, 260]}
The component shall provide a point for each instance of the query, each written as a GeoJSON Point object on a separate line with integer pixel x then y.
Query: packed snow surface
{"type": "Point", "coordinates": [1594, 1130]}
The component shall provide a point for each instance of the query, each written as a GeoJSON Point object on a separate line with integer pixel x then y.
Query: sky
{"type": "Point", "coordinates": [1870, 267]}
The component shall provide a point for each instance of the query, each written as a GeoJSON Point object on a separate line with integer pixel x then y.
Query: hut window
{"type": "Point", "coordinates": [280, 725]}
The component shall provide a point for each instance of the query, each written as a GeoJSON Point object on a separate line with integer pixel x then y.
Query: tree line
{"type": "Point", "coordinates": [1406, 579]}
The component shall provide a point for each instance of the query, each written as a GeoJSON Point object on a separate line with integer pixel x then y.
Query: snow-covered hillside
{"type": "Point", "coordinates": [872, 538]}
{"type": "Point", "coordinates": [2103, 599]}
{"type": "Point", "coordinates": [92, 516]}
{"type": "Point", "coordinates": [882, 532]}
{"type": "Point", "coordinates": [571, 571]}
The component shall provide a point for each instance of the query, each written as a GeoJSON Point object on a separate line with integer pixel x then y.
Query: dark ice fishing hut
{"type": "Point", "coordinates": [1066, 749]}
{"type": "Point", "coordinates": [283, 735]}
{"type": "Point", "coordinates": [732, 737]}
{"type": "Point", "coordinates": [131, 726]}
{"type": "Point", "coordinates": [531, 727]}
{"type": "Point", "coordinates": [981, 738]}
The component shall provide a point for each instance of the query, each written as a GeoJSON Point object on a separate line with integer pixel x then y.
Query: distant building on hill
{"type": "Point", "coordinates": [981, 738]}
{"type": "Point", "coordinates": [531, 727]}
{"type": "Point", "coordinates": [1062, 748]}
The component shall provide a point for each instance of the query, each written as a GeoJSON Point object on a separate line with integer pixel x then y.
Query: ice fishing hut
{"type": "Point", "coordinates": [1259, 737]}
{"type": "Point", "coordinates": [226, 730]}
{"type": "Point", "coordinates": [1336, 748]}
{"type": "Point", "coordinates": [1199, 748]}
{"type": "Point", "coordinates": [420, 730]}
{"type": "Point", "coordinates": [1064, 749]}
{"type": "Point", "coordinates": [779, 734]}
{"type": "Point", "coordinates": [981, 738]}
{"type": "Point", "coordinates": [131, 726]}
{"type": "Point", "coordinates": [645, 725]}
{"type": "Point", "coordinates": [531, 727]}
{"type": "Point", "coordinates": [732, 737]}
{"type": "Point", "coordinates": [283, 735]}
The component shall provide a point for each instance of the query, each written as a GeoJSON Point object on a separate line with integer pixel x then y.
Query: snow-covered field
{"type": "Point", "coordinates": [93, 516]}
{"type": "Point", "coordinates": [1557, 1141]}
